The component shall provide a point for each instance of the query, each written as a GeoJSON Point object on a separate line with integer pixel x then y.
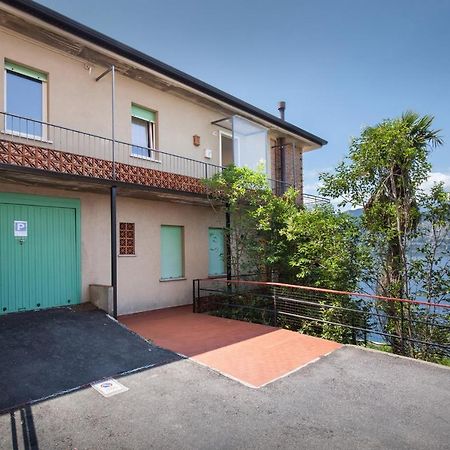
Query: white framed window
{"type": "Point", "coordinates": [143, 132]}
{"type": "Point", "coordinates": [25, 101]}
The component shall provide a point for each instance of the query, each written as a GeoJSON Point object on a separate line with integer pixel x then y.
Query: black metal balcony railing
{"type": "Point", "coordinates": [51, 147]}
{"type": "Point", "coordinates": [67, 140]}
{"type": "Point", "coordinates": [311, 200]}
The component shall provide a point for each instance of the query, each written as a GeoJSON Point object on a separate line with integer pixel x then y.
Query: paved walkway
{"type": "Point", "coordinates": [253, 354]}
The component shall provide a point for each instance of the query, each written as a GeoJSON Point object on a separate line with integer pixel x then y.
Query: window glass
{"type": "Point", "coordinates": [140, 137]}
{"type": "Point", "coordinates": [249, 144]}
{"type": "Point", "coordinates": [216, 251]}
{"type": "Point", "coordinates": [143, 131]}
{"type": "Point", "coordinates": [172, 252]}
{"type": "Point", "coordinates": [24, 99]}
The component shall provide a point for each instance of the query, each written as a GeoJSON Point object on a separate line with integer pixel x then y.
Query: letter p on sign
{"type": "Point", "coordinates": [20, 228]}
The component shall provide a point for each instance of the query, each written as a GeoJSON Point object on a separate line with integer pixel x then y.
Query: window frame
{"type": "Point", "coordinates": [151, 132]}
{"type": "Point", "coordinates": [26, 72]}
{"type": "Point", "coordinates": [182, 254]}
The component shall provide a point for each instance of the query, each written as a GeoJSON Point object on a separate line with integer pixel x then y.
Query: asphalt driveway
{"type": "Point", "coordinates": [47, 352]}
{"type": "Point", "coordinates": [350, 399]}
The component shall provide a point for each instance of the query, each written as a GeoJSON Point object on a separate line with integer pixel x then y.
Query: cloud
{"type": "Point", "coordinates": [437, 177]}
{"type": "Point", "coordinates": [311, 188]}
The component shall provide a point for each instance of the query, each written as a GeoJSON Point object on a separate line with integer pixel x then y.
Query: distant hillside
{"type": "Point", "coordinates": [355, 212]}
{"type": "Point", "coordinates": [418, 242]}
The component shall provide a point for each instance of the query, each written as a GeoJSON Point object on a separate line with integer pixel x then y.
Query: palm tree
{"type": "Point", "coordinates": [398, 189]}
{"type": "Point", "coordinates": [397, 195]}
{"type": "Point", "coordinates": [387, 164]}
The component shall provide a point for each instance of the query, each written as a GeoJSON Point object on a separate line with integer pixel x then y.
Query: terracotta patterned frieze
{"type": "Point", "coordinates": [32, 156]}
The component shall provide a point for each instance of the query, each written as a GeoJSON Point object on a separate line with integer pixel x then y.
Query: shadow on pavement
{"type": "Point", "coordinates": [46, 353]}
{"type": "Point", "coordinates": [22, 424]}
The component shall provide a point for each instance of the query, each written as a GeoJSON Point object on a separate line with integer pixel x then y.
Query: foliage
{"type": "Point", "coordinates": [429, 249]}
{"type": "Point", "coordinates": [324, 248]}
{"type": "Point", "coordinates": [246, 306]}
{"type": "Point", "coordinates": [257, 217]}
{"type": "Point", "coordinates": [400, 246]}
{"type": "Point", "coordinates": [274, 236]}
{"type": "Point", "coordinates": [405, 227]}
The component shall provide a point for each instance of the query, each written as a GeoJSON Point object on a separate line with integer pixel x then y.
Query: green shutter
{"type": "Point", "coordinates": [144, 114]}
{"type": "Point", "coordinates": [171, 252]}
{"type": "Point", "coordinates": [25, 71]}
{"type": "Point", "coordinates": [216, 251]}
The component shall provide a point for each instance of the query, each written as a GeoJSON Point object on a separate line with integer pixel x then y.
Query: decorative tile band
{"type": "Point", "coordinates": [26, 155]}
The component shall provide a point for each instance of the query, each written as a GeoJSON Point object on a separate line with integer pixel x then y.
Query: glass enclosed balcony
{"type": "Point", "coordinates": [245, 144]}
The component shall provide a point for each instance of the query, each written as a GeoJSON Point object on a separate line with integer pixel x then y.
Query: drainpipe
{"type": "Point", "coordinates": [113, 196]}
{"type": "Point", "coordinates": [228, 241]}
{"type": "Point", "coordinates": [282, 109]}
{"type": "Point", "coordinates": [114, 248]}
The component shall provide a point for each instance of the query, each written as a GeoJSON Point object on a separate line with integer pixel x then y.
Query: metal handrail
{"type": "Point", "coordinates": [315, 199]}
{"type": "Point", "coordinates": [325, 291]}
{"type": "Point", "coordinates": [416, 328]}
{"type": "Point", "coordinates": [70, 140]}
{"type": "Point", "coordinates": [14, 116]}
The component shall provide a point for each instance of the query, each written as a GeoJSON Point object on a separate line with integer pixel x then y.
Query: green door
{"type": "Point", "coordinates": [216, 264]}
{"type": "Point", "coordinates": [39, 252]}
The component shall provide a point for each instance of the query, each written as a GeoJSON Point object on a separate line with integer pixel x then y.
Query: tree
{"type": "Point", "coordinates": [257, 217]}
{"type": "Point", "coordinates": [272, 235]}
{"type": "Point", "coordinates": [326, 252]}
{"type": "Point", "coordinates": [383, 173]}
{"type": "Point", "coordinates": [325, 249]}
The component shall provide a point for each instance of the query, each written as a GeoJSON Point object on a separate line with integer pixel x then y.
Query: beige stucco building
{"type": "Point", "coordinates": [98, 140]}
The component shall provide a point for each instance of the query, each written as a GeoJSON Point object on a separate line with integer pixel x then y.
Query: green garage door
{"type": "Point", "coordinates": [39, 252]}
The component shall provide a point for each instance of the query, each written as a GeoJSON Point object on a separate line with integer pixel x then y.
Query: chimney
{"type": "Point", "coordinates": [282, 108]}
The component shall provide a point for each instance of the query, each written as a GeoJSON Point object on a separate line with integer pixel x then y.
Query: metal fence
{"type": "Point", "coordinates": [310, 200]}
{"type": "Point", "coordinates": [67, 140]}
{"type": "Point", "coordinates": [413, 328]}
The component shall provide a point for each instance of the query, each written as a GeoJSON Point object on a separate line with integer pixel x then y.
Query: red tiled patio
{"type": "Point", "coordinates": [251, 353]}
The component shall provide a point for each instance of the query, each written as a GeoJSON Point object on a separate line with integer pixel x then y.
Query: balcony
{"type": "Point", "coordinates": [49, 148]}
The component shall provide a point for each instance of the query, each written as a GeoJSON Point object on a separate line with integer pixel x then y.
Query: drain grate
{"type": "Point", "coordinates": [109, 387]}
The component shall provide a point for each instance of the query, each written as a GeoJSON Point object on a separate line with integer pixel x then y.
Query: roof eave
{"type": "Point", "coordinates": [60, 21]}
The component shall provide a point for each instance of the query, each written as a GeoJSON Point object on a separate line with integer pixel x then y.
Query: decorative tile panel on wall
{"type": "Point", "coordinates": [127, 236]}
{"type": "Point", "coordinates": [26, 155]}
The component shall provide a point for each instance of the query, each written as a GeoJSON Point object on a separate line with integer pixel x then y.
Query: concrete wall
{"type": "Point", "coordinates": [77, 101]}
{"type": "Point", "coordinates": [139, 282]}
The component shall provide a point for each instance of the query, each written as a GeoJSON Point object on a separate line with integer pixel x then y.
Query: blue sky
{"type": "Point", "coordinates": [340, 65]}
